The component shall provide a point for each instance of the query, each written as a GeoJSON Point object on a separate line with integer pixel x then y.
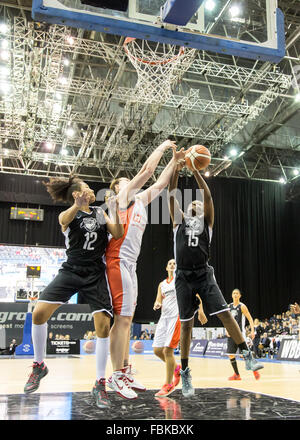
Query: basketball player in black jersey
{"type": "Point", "coordinates": [86, 231]}
{"type": "Point", "coordinates": [192, 235]}
{"type": "Point", "coordinates": [240, 313]}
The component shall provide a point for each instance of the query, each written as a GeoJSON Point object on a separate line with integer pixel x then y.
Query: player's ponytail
{"type": "Point", "coordinates": [61, 189]}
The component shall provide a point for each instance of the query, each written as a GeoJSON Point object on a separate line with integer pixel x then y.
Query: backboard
{"type": "Point", "coordinates": [247, 28]}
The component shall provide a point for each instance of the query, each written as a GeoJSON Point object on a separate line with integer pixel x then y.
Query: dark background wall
{"type": "Point", "coordinates": [255, 245]}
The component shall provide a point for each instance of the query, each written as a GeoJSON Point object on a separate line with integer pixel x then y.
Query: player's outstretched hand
{"type": "Point", "coordinates": [81, 199]}
{"type": "Point", "coordinates": [168, 144]}
{"type": "Point", "coordinates": [201, 315]}
{"type": "Point", "coordinates": [157, 305]}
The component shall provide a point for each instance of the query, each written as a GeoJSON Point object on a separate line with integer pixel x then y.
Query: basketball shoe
{"type": "Point", "coordinates": [38, 372]}
{"type": "Point", "coordinates": [100, 395]}
{"type": "Point", "coordinates": [251, 363]}
{"type": "Point", "coordinates": [118, 382]}
{"type": "Point", "coordinates": [187, 387]}
{"type": "Point", "coordinates": [166, 389]}
{"type": "Point", "coordinates": [235, 377]}
{"type": "Point", "coordinates": [177, 375]}
{"type": "Point", "coordinates": [133, 383]}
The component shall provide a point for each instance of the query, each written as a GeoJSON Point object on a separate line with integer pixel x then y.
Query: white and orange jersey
{"type": "Point", "coordinates": [169, 307]}
{"type": "Point", "coordinates": [128, 247]}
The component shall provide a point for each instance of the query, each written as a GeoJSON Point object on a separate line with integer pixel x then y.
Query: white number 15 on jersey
{"type": "Point", "coordinates": [193, 238]}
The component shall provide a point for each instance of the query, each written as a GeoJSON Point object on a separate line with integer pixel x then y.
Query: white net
{"type": "Point", "coordinates": [159, 67]}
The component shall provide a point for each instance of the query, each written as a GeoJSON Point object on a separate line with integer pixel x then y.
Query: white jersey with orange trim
{"type": "Point", "coordinates": [128, 247]}
{"type": "Point", "coordinates": [169, 307]}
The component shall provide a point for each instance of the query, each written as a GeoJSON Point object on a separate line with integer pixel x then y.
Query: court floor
{"type": "Point", "coordinates": [65, 392]}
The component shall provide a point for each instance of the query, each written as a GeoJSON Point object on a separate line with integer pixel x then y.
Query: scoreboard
{"type": "Point", "coordinates": [26, 214]}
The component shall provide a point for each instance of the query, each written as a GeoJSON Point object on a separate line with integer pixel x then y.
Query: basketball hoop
{"type": "Point", "coordinates": [159, 66]}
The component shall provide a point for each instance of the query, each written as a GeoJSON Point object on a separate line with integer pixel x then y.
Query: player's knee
{"type": "Point", "coordinates": [157, 351]}
{"type": "Point", "coordinates": [168, 352]}
{"type": "Point", "coordinates": [38, 318]}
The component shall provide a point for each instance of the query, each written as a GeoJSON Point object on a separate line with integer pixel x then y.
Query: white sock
{"type": "Point", "coordinates": [39, 339]}
{"type": "Point", "coordinates": [102, 347]}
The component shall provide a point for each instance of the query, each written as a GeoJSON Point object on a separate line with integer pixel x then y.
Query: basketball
{"type": "Point", "coordinates": [197, 157]}
{"type": "Point", "coordinates": [138, 347]}
{"type": "Point", "coordinates": [89, 346]}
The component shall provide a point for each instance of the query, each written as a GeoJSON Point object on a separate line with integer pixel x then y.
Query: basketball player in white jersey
{"type": "Point", "coordinates": [167, 333]}
{"type": "Point", "coordinates": [121, 257]}
{"type": "Point", "coordinates": [240, 313]}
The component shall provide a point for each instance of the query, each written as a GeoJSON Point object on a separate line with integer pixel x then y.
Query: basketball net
{"type": "Point", "coordinates": [159, 67]}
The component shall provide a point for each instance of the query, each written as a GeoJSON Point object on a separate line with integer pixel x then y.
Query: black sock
{"type": "Point", "coordinates": [243, 346]}
{"type": "Point", "coordinates": [234, 366]}
{"type": "Point", "coordinates": [184, 364]}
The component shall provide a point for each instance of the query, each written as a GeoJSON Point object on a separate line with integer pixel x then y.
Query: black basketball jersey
{"type": "Point", "coordinates": [238, 315]}
{"type": "Point", "coordinates": [191, 243]}
{"type": "Point", "coordinates": [86, 238]}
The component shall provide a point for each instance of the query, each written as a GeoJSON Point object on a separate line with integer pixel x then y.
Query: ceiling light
{"type": "Point", "coordinates": [70, 40]}
{"type": "Point", "coordinates": [207, 174]}
{"type": "Point", "coordinates": [297, 97]}
{"type": "Point", "coordinates": [233, 152]}
{"type": "Point", "coordinates": [234, 11]}
{"type": "Point", "coordinates": [296, 172]}
{"type": "Point", "coordinates": [225, 157]}
{"type": "Point", "coordinates": [209, 5]}
{"type": "Point", "coordinates": [64, 152]}
{"type": "Point", "coordinates": [48, 145]}
{"type": "Point", "coordinates": [56, 107]}
{"type": "Point", "coordinates": [282, 180]}
{"type": "Point", "coordinates": [66, 62]}
{"type": "Point", "coordinates": [5, 87]}
{"type": "Point", "coordinates": [4, 71]}
{"type": "Point", "coordinates": [4, 55]}
{"type": "Point", "coordinates": [70, 132]}
{"type": "Point", "coordinates": [4, 44]}
{"type": "Point", "coordinates": [4, 28]}
{"type": "Point", "coordinates": [63, 80]}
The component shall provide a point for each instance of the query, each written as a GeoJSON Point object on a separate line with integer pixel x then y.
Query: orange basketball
{"type": "Point", "coordinates": [138, 347]}
{"type": "Point", "coordinates": [197, 157]}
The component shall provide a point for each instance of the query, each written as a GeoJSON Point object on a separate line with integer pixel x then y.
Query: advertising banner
{"type": "Point", "coordinates": [63, 347]}
{"type": "Point", "coordinates": [216, 348]}
{"type": "Point", "coordinates": [289, 350]}
{"type": "Point", "coordinates": [198, 347]}
{"type": "Point", "coordinates": [69, 319]}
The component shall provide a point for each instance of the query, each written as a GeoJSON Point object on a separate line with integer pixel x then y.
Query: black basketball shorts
{"type": "Point", "coordinates": [91, 283]}
{"type": "Point", "coordinates": [202, 281]}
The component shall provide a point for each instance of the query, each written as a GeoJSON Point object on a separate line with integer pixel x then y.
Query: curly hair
{"type": "Point", "coordinates": [61, 189]}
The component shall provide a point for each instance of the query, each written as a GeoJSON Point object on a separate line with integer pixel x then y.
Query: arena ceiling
{"type": "Point", "coordinates": [66, 107]}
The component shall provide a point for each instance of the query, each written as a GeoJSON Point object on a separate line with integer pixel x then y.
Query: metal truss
{"type": "Point", "coordinates": [63, 78]}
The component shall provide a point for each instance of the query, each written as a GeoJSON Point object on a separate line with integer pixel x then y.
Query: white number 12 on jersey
{"type": "Point", "coordinates": [90, 238]}
{"type": "Point", "coordinates": [193, 238]}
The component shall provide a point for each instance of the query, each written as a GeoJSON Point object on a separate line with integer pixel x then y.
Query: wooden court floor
{"type": "Point", "coordinates": [77, 374]}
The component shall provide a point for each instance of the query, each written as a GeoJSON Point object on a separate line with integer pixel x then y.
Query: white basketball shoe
{"type": "Point", "coordinates": [118, 382]}
{"type": "Point", "coordinates": [133, 383]}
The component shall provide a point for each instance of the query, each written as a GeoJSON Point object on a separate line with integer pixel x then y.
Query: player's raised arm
{"type": "Point", "coordinates": [175, 211]}
{"type": "Point", "coordinates": [113, 222]}
{"type": "Point", "coordinates": [164, 179]}
{"type": "Point", "coordinates": [209, 211]}
{"type": "Point", "coordinates": [145, 173]}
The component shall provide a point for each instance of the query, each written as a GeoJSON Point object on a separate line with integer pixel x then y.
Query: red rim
{"type": "Point", "coordinates": [141, 60]}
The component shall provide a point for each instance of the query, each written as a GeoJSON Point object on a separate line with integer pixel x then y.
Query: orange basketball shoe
{"type": "Point", "coordinates": [176, 375]}
{"type": "Point", "coordinates": [235, 377]}
{"type": "Point", "coordinates": [166, 390]}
